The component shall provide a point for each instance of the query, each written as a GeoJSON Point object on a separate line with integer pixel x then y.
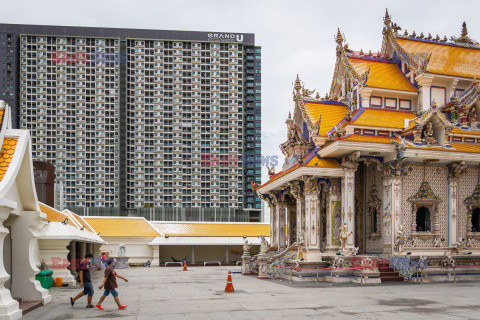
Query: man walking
{"type": "Point", "coordinates": [85, 281]}
{"type": "Point", "coordinates": [110, 284]}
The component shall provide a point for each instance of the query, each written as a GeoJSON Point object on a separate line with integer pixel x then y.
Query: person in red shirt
{"type": "Point", "coordinates": [110, 284]}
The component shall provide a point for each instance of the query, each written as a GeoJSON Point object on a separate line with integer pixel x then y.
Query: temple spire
{"type": "Point", "coordinates": [298, 85]}
{"type": "Point", "coordinates": [387, 19]}
{"type": "Point", "coordinates": [464, 30]}
{"type": "Point", "coordinates": [339, 38]}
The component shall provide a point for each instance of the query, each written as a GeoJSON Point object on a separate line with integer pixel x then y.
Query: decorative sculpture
{"type": "Point", "coordinates": [428, 133]}
{"type": "Point", "coordinates": [400, 239]}
{"type": "Point", "coordinates": [271, 171]}
{"type": "Point", "coordinates": [263, 245]}
{"type": "Point", "coordinates": [122, 250]}
{"type": "Point", "coordinates": [246, 249]}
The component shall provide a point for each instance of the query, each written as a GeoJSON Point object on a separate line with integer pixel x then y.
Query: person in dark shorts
{"type": "Point", "coordinates": [85, 281]}
{"type": "Point", "coordinates": [110, 284]}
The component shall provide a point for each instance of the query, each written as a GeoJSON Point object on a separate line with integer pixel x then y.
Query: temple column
{"type": "Point", "coordinates": [392, 211]}
{"type": "Point", "coordinates": [291, 214]}
{"type": "Point", "coordinates": [296, 191]}
{"type": "Point", "coordinates": [424, 83]}
{"type": "Point", "coordinates": [9, 308]}
{"type": "Point", "coordinates": [348, 208]}
{"type": "Point", "coordinates": [273, 221]}
{"type": "Point", "coordinates": [280, 227]}
{"type": "Point", "coordinates": [312, 214]}
{"type": "Point", "coordinates": [82, 251]}
{"type": "Point", "coordinates": [454, 171]}
{"type": "Point", "coordinates": [73, 257]}
{"type": "Point", "coordinates": [333, 216]}
{"type": "Point", "coordinates": [155, 256]}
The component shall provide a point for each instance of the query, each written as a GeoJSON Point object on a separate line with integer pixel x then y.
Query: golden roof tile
{"type": "Point", "coordinates": [366, 138]}
{"type": "Point", "coordinates": [329, 113]}
{"type": "Point", "coordinates": [121, 227]}
{"type": "Point", "coordinates": [185, 229]}
{"type": "Point", "coordinates": [54, 215]}
{"type": "Point", "coordinates": [383, 74]}
{"type": "Point", "coordinates": [466, 132]}
{"type": "Point", "coordinates": [381, 118]}
{"type": "Point", "coordinates": [6, 155]}
{"type": "Point", "coordinates": [446, 59]}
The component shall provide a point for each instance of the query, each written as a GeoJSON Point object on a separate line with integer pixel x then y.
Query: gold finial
{"type": "Point", "coordinates": [339, 38]}
{"type": "Point", "coordinates": [387, 19]}
{"type": "Point", "coordinates": [437, 37]}
{"type": "Point", "coordinates": [298, 85]}
{"type": "Point", "coordinates": [445, 39]}
{"type": "Point", "coordinates": [405, 33]}
{"type": "Point", "coordinates": [361, 52]}
{"type": "Point", "coordinates": [429, 36]}
{"type": "Point", "coordinates": [317, 96]}
{"type": "Point", "coordinates": [289, 115]}
{"type": "Point", "coordinates": [370, 53]}
{"type": "Point", "coordinates": [421, 36]}
{"type": "Point", "coordinates": [464, 31]}
{"type": "Point", "coordinates": [413, 34]}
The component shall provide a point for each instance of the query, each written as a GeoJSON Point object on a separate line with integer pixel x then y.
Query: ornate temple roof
{"type": "Point", "coordinates": [205, 229]}
{"type": "Point", "coordinates": [330, 114]}
{"type": "Point", "coordinates": [382, 74]}
{"type": "Point", "coordinates": [311, 160]}
{"type": "Point", "coordinates": [382, 118]}
{"type": "Point", "coordinates": [446, 58]}
{"type": "Point", "coordinates": [53, 215]}
{"type": "Point", "coordinates": [368, 138]}
{"type": "Point", "coordinates": [122, 226]}
{"type": "Point", "coordinates": [6, 154]}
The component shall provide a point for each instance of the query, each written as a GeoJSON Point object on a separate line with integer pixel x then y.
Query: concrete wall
{"type": "Point", "coordinates": [202, 253]}
{"type": "Point", "coordinates": [138, 250]}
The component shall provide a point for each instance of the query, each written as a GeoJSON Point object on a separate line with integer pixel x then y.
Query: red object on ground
{"type": "Point", "coordinates": [229, 287]}
{"type": "Point", "coordinates": [99, 306]}
{"type": "Point", "coordinates": [185, 265]}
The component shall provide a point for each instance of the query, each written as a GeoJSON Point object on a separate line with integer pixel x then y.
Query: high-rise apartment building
{"type": "Point", "coordinates": [139, 119]}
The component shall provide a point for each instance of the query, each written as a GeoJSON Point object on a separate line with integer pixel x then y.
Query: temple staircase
{"type": "Point", "coordinates": [388, 274]}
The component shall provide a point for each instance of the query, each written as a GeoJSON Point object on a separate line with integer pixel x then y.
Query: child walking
{"type": "Point", "coordinates": [110, 284]}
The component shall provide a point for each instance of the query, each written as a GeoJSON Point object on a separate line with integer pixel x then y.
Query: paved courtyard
{"type": "Point", "coordinates": [168, 293]}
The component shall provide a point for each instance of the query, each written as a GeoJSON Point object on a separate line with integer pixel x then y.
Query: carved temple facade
{"type": "Point", "coordinates": [388, 161]}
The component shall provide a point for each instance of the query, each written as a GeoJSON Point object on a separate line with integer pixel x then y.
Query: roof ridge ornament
{"type": "Point", "coordinates": [464, 39]}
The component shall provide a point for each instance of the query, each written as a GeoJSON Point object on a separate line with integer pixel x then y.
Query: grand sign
{"type": "Point", "coordinates": [225, 37]}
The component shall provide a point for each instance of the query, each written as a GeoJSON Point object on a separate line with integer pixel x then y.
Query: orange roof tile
{"type": "Point", "coordinates": [446, 59]}
{"type": "Point", "coordinates": [465, 147]}
{"type": "Point", "coordinates": [185, 229]}
{"type": "Point", "coordinates": [366, 138]}
{"type": "Point", "coordinates": [6, 155]}
{"type": "Point", "coordinates": [122, 227]}
{"type": "Point", "coordinates": [310, 160]}
{"type": "Point", "coordinates": [331, 114]}
{"type": "Point", "coordinates": [466, 132]}
{"type": "Point", "coordinates": [82, 222]}
{"type": "Point", "coordinates": [383, 74]}
{"type": "Point", "coordinates": [371, 117]}
{"type": "Point", "coordinates": [54, 215]}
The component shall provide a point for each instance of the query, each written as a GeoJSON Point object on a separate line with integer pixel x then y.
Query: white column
{"type": "Point", "coordinates": [24, 285]}
{"type": "Point", "coordinates": [296, 191]}
{"type": "Point", "coordinates": [392, 211]}
{"type": "Point", "coordinates": [193, 254]}
{"type": "Point", "coordinates": [348, 206]}
{"type": "Point", "coordinates": [312, 214]}
{"type": "Point", "coordinates": [333, 227]}
{"type": "Point", "coordinates": [9, 308]}
{"type": "Point", "coordinates": [156, 256]}
{"type": "Point", "coordinates": [424, 83]}
{"type": "Point", "coordinates": [73, 257]}
{"type": "Point", "coordinates": [280, 228]}
{"type": "Point", "coordinates": [55, 255]}
{"type": "Point", "coordinates": [273, 223]}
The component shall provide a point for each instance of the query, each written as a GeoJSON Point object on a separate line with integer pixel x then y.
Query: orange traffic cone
{"type": "Point", "coordinates": [185, 265]}
{"type": "Point", "coordinates": [229, 287]}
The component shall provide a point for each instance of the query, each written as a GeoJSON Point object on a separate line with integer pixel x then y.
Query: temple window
{"type": "Point", "coordinates": [476, 220]}
{"type": "Point", "coordinates": [423, 219]}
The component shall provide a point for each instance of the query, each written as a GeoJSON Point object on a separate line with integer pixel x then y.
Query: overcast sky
{"type": "Point", "coordinates": [296, 36]}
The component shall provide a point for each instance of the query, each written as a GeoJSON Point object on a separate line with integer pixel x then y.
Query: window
{"type": "Point", "coordinates": [476, 220]}
{"type": "Point", "coordinates": [423, 219]}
